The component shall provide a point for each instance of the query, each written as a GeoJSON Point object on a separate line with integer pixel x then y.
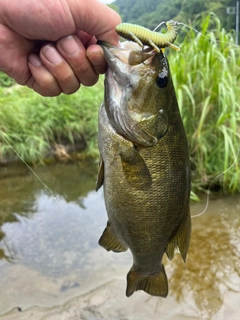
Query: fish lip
{"type": "Point", "coordinates": [118, 69]}
{"type": "Point", "coordinates": [106, 46]}
{"type": "Point", "coordinates": [107, 54]}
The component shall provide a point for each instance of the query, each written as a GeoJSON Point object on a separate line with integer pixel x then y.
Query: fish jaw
{"type": "Point", "coordinates": [128, 91]}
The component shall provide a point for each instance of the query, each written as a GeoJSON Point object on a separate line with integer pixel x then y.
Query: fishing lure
{"type": "Point", "coordinates": [143, 36]}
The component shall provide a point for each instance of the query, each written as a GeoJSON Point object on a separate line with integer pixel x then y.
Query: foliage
{"type": "Point", "coordinates": [32, 124]}
{"type": "Point", "coordinates": [6, 81]}
{"type": "Point", "coordinates": [206, 75]}
{"type": "Point", "coordinates": [150, 13]}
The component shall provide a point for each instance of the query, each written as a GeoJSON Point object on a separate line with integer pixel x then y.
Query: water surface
{"type": "Point", "coordinates": [51, 266]}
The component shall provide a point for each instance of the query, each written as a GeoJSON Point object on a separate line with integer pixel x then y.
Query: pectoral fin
{"type": "Point", "coordinates": [135, 169]}
{"type": "Point", "coordinates": [181, 240]}
{"type": "Point", "coordinates": [110, 242]}
{"type": "Point", "coordinates": [100, 176]}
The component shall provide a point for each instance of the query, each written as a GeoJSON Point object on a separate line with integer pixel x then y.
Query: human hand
{"type": "Point", "coordinates": [50, 45]}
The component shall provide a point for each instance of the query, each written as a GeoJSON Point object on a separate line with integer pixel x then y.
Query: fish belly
{"type": "Point", "coordinates": [146, 196]}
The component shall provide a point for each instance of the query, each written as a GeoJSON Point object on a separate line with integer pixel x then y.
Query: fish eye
{"type": "Point", "coordinates": [162, 80]}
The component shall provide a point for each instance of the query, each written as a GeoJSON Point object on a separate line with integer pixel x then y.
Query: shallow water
{"type": "Point", "coordinates": [51, 266]}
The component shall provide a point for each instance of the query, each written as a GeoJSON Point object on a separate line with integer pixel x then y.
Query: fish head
{"type": "Point", "coordinates": [138, 92]}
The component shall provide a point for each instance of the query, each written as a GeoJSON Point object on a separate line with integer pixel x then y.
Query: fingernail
{"type": "Point", "coordinates": [52, 55]}
{"type": "Point", "coordinates": [70, 46]}
{"type": "Point", "coordinates": [34, 60]}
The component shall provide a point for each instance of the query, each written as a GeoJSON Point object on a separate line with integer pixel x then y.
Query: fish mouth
{"type": "Point", "coordinates": [128, 53]}
{"type": "Point", "coordinates": [117, 61]}
{"type": "Point", "coordinates": [123, 74]}
{"type": "Point", "coordinates": [127, 87]}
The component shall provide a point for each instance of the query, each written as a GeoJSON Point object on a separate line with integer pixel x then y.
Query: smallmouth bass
{"type": "Point", "coordinates": [144, 166]}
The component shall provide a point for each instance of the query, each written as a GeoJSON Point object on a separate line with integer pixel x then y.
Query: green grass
{"type": "Point", "coordinates": [5, 81]}
{"type": "Point", "coordinates": [32, 124]}
{"type": "Point", "coordinates": [206, 76]}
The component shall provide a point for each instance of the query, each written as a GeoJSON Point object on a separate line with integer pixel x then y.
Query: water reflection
{"type": "Point", "coordinates": [53, 244]}
{"type": "Point", "coordinates": [21, 192]}
{"type": "Point", "coordinates": [2, 252]}
{"type": "Point", "coordinates": [213, 262]}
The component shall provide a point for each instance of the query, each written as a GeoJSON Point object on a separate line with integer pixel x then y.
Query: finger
{"type": "Point", "coordinates": [59, 68]}
{"type": "Point", "coordinates": [102, 23]}
{"type": "Point", "coordinates": [73, 51]}
{"type": "Point", "coordinates": [94, 52]}
{"type": "Point", "coordinates": [41, 80]}
{"type": "Point", "coordinates": [95, 55]}
{"type": "Point", "coordinates": [85, 38]}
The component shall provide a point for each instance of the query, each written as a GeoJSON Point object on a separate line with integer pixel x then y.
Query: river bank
{"type": "Point", "coordinates": [39, 128]}
{"type": "Point", "coordinates": [207, 89]}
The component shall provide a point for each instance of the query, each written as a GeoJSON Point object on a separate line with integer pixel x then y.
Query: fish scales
{"type": "Point", "coordinates": [144, 169]}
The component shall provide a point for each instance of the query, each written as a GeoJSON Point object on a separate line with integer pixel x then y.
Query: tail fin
{"type": "Point", "coordinates": [155, 284]}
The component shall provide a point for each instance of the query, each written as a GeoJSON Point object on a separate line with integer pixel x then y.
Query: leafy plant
{"type": "Point", "coordinates": [206, 75]}
{"type": "Point", "coordinates": [32, 124]}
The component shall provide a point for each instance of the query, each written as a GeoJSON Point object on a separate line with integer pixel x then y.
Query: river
{"type": "Point", "coordinates": [51, 266]}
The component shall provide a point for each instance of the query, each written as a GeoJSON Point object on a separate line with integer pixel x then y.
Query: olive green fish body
{"type": "Point", "coordinates": [144, 169]}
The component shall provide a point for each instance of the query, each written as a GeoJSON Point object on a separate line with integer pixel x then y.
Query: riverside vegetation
{"type": "Point", "coordinates": [206, 76]}
{"type": "Point", "coordinates": [34, 125]}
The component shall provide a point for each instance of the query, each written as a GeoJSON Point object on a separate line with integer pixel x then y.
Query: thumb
{"type": "Point", "coordinates": [14, 50]}
{"type": "Point", "coordinates": [96, 19]}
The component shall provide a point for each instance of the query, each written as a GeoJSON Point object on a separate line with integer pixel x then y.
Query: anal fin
{"type": "Point", "coordinates": [180, 242]}
{"type": "Point", "coordinates": [155, 284]}
{"type": "Point", "coordinates": [110, 242]}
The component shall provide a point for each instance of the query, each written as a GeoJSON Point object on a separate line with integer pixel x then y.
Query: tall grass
{"type": "Point", "coordinates": [32, 124]}
{"type": "Point", "coordinates": [206, 75]}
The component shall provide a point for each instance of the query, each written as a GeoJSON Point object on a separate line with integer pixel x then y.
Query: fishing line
{"type": "Point", "coordinates": [208, 190]}
{"type": "Point", "coordinates": [159, 25]}
{"type": "Point", "coordinates": [203, 35]}
{"type": "Point", "coordinates": [232, 44]}
{"type": "Point", "coordinates": [10, 258]}
{"type": "Point", "coordinates": [34, 173]}
{"type": "Point", "coordinates": [195, 30]}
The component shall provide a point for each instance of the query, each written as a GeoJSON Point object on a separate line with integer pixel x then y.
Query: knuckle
{"type": "Point", "coordinates": [66, 77]}
{"type": "Point", "coordinates": [84, 68]}
{"type": "Point", "coordinates": [47, 91]}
